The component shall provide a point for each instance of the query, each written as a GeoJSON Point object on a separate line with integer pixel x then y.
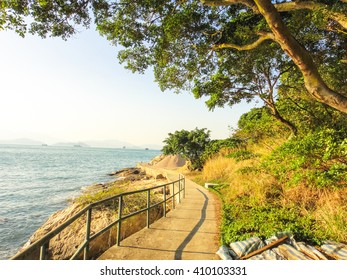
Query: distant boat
{"type": "Point", "coordinates": [77, 146]}
{"type": "Point", "coordinates": [146, 149]}
{"type": "Point", "coordinates": [44, 145]}
{"type": "Point", "coordinates": [124, 147]}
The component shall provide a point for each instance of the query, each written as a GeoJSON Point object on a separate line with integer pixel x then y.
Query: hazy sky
{"type": "Point", "coordinates": [76, 90]}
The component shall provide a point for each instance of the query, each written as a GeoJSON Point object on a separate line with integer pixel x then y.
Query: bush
{"type": "Point", "coordinates": [241, 155]}
{"type": "Point", "coordinates": [215, 146]}
{"type": "Point", "coordinates": [318, 159]}
{"type": "Point", "coordinates": [243, 219]}
{"type": "Point", "coordinates": [259, 123]}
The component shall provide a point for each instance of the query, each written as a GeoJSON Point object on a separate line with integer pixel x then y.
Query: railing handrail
{"type": "Point", "coordinates": [130, 193]}
{"type": "Point", "coordinates": [44, 241]}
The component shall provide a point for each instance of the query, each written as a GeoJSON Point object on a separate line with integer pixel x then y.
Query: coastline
{"type": "Point", "coordinates": [126, 179]}
{"type": "Point", "coordinates": [39, 181]}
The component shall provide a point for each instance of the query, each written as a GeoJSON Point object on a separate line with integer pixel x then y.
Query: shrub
{"type": "Point", "coordinates": [243, 219]}
{"type": "Point", "coordinates": [317, 159]}
{"type": "Point", "coordinates": [241, 155]}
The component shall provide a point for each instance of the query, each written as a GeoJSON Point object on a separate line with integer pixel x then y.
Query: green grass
{"type": "Point", "coordinates": [113, 189]}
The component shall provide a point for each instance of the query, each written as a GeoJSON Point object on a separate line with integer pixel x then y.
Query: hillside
{"type": "Point", "coordinates": [21, 141]}
{"type": "Point", "coordinates": [271, 181]}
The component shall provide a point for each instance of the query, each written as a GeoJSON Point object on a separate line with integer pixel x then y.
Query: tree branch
{"type": "Point", "coordinates": [263, 37]}
{"type": "Point", "coordinates": [301, 57]}
{"type": "Point", "coordinates": [286, 7]}
{"type": "Point", "coordinates": [314, 6]}
{"type": "Point", "coordinates": [217, 3]}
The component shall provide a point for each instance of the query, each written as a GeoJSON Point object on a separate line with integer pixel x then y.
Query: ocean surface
{"type": "Point", "coordinates": [36, 181]}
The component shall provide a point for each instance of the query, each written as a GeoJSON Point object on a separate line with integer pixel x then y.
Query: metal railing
{"type": "Point", "coordinates": [43, 243]}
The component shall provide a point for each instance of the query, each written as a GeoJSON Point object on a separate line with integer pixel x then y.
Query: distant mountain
{"type": "Point", "coordinates": [21, 141]}
{"type": "Point", "coordinates": [71, 144]}
{"type": "Point", "coordinates": [112, 143]}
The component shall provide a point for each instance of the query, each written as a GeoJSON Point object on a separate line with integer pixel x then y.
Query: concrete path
{"type": "Point", "coordinates": [189, 232]}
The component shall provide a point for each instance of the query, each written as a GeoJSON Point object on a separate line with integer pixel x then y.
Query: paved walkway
{"type": "Point", "coordinates": [189, 232]}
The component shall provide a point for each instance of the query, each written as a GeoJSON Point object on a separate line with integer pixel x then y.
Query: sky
{"type": "Point", "coordinates": [53, 90]}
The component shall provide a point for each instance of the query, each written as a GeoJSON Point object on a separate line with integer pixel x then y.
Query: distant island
{"type": "Point", "coordinates": [72, 144]}
{"type": "Point", "coordinates": [92, 143]}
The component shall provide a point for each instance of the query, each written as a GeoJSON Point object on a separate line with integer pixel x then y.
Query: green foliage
{"type": "Point", "coordinates": [243, 219]}
{"type": "Point", "coordinates": [113, 189]}
{"type": "Point", "coordinates": [309, 115]}
{"type": "Point", "coordinates": [243, 76]}
{"type": "Point", "coordinates": [196, 146]}
{"type": "Point", "coordinates": [317, 159]}
{"type": "Point", "coordinates": [214, 146]}
{"type": "Point", "coordinates": [249, 170]}
{"type": "Point", "coordinates": [54, 18]}
{"type": "Point", "coordinates": [240, 155]}
{"type": "Point", "coordinates": [259, 123]}
{"type": "Point", "coordinates": [189, 144]}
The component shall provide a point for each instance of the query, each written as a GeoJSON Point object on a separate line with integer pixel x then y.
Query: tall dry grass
{"type": "Point", "coordinates": [243, 177]}
{"type": "Point", "coordinates": [246, 179]}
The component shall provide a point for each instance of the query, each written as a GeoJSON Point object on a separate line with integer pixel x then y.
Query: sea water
{"type": "Point", "coordinates": [36, 181]}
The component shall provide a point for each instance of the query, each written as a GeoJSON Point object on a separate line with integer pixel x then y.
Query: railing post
{"type": "Point", "coordinates": [88, 223]}
{"type": "Point", "coordinates": [165, 200]}
{"type": "Point", "coordinates": [43, 251]}
{"type": "Point", "coordinates": [120, 201]}
{"type": "Point", "coordinates": [179, 188]}
{"type": "Point", "coordinates": [148, 206]}
{"type": "Point", "coordinates": [173, 195]}
{"type": "Point", "coordinates": [184, 187]}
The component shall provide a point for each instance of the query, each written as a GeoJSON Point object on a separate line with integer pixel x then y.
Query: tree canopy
{"type": "Point", "coordinates": [229, 50]}
{"type": "Point", "coordinates": [189, 144]}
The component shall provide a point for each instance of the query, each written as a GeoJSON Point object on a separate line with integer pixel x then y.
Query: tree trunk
{"type": "Point", "coordinates": [313, 81]}
{"type": "Point", "coordinates": [277, 115]}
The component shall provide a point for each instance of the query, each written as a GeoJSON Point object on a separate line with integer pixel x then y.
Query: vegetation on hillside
{"type": "Point", "coordinates": [272, 183]}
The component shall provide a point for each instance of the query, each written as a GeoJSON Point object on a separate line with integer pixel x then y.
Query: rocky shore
{"type": "Point", "coordinates": [63, 245]}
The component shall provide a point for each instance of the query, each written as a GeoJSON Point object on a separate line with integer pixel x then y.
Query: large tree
{"type": "Point", "coordinates": [190, 145]}
{"type": "Point", "coordinates": [186, 41]}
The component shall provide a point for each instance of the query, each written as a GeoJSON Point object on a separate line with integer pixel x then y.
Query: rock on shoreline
{"type": "Point", "coordinates": [130, 174]}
